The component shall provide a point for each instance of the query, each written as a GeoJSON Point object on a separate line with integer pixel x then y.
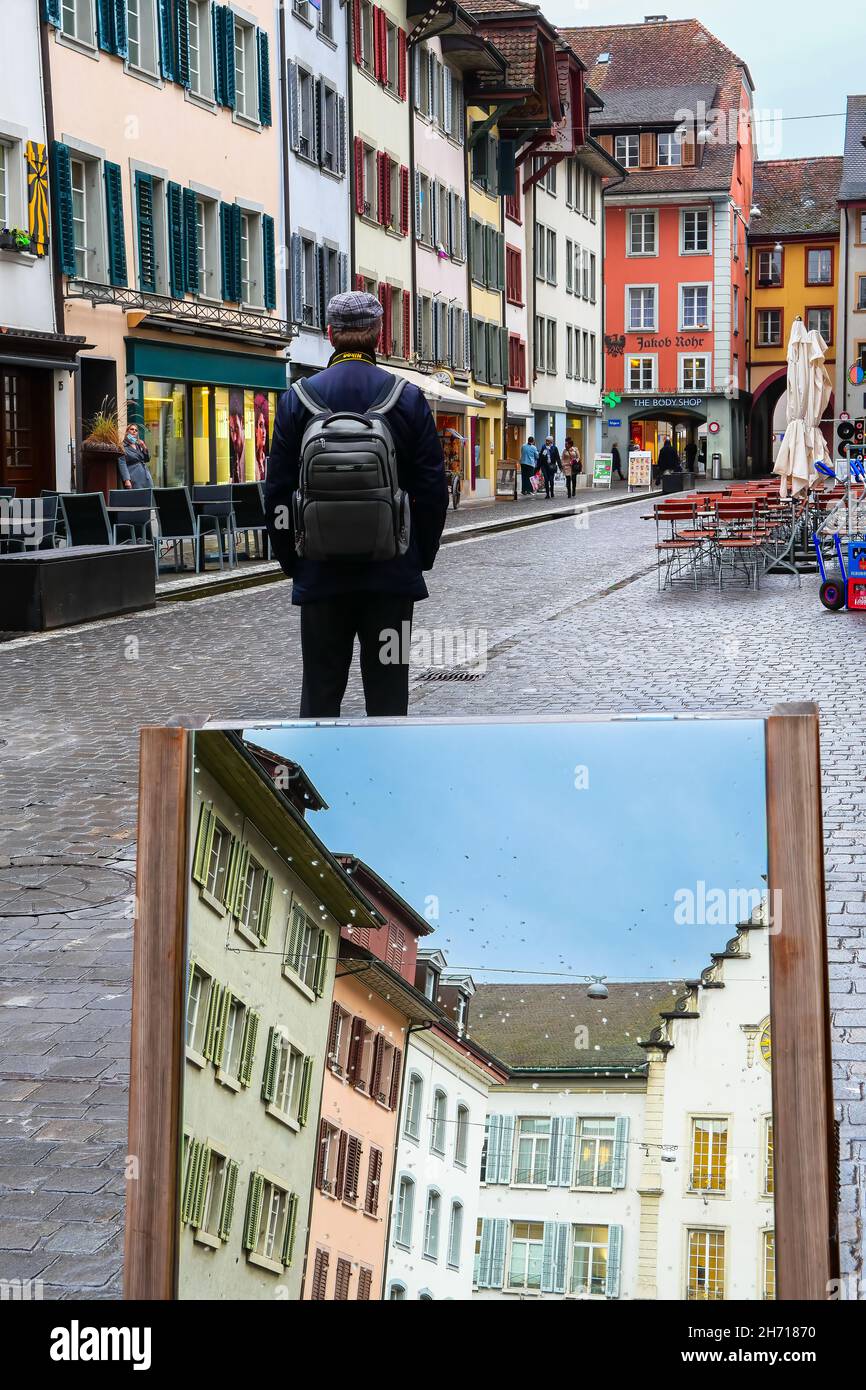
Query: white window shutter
{"type": "Point", "coordinates": [620, 1150]}
{"type": "Point", "coordinates": [614, 1261]}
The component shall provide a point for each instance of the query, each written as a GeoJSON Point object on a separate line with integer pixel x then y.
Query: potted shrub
{"type": "Point", "coordinates": [100, 449]}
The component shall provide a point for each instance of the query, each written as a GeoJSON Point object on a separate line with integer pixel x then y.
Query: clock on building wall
{"type": "Point", "coordinates": [764, 1043]}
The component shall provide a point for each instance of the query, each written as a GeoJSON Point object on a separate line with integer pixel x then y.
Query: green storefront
{"type": "Point", "coordinates": [207, 416]}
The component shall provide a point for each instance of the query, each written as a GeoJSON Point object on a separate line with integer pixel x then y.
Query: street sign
{"type": "Point", "coordinates": [601, 470]}
{"type": "Point", "coordinates": [614, 424]}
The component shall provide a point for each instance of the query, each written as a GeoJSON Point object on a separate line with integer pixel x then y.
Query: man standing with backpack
{"type": "Point", "coordinates": [356, 500]}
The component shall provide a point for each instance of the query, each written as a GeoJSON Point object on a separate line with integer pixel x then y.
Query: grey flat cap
{"type": "Point", "coordinates": [354, 309]}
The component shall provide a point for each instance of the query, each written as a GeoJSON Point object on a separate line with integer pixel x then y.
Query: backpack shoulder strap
{"type": "Point", "coordinates": [310, 398]}
{"type": "Point", "coordinates": [390, 398]}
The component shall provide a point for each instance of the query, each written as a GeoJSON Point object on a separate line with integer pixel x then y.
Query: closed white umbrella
{"type": "Point", "coordinates": [808, 393]}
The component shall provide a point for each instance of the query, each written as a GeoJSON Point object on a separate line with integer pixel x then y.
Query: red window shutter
{"type": "Point", "coordinates": [365, 1280]}
{"type": "Point", "coordinates": [404, 200]}
{"type": "Point", "coordinates": [359, 285]}
{"type": "Point", "coordinates": [320, 1275]}
{"type": "Point", "coordinates": [374, 1173]}
{"type": "Point", "coordinates": [320, 1161]}
{"type": "Point", "coordinates": [401, 64]}
{"type": "Point", "coordinates": [378, 17]}
{"type": "Point", "coordinates": [356, 1045]}
{"type": "Point", "coordinates": [383, 347]}
{"type": "Point", "coordinates": [353, 1170]}
{"type": "Point", "coordinates": [340, 1180]}
{"type": "Point", "coordinates": [376, 1083]}
{"type": "Point", "coordinates": [359, 174]}
{"type": "Point", "coordinates": [356, 32]}
{"type": "Point", "coordinates": [522, 367]}
{"type": "Point", "coordinates": [332, 1033]}
{"type": "Point", "coordinates": [380, 186]}
{"type": "Point", "coordinates": [383, 48]}
{"type": "Point", "coordinates": [407, 324]}
{"type": "Point", "coordinates": [342, 1279]}
{"type": "Point", "coordinates": [386, 167]}
{"type": "Point", "coordinates": [396, 1078]}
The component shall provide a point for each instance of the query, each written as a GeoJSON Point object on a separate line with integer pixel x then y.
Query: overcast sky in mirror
{"type": "Point", "coordinates": [804, 58]}
{"type": "Point", "coordinates": [555, 848]}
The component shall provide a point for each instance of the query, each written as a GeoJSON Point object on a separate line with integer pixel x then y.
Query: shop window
{"type": "Point", "coordinates": [164, 408]}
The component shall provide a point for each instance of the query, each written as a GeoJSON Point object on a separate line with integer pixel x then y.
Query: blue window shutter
{"type": "Point", "coordinates": [547, 1254]}
{"type": "Point", "coordinates": [166, 45]}
{"type": "Point", "coordinates": [569, 1123]}
{"type": "Point", "coordinates": [263, 51]}
{"type": "Point", "coordinates": [146, 232]}
{"type": "Point", "coordinates": [270, 264]}
{"type": "Point", "coordinates": [51, 12]}
{"type": "Point", "coordinates": [190, 233]}
{"type": "Point", "coordinates": [229, 97]}
{"type": "Point", "coordinates": [114, 220]}
{"type": "Point", "coordinates": [218, 45]}
{"type": "Point", "coordinates": [483, 1258]}
{"type": "Point", "coordinates": [344, 272]}
{"type": "Point", "coordinates": [225, 250]}
{"type": "Point", "coordinates": [562, 1249]}
{"type": "Point", "coordinates": [176, 242]}
{"type": "Point", "coordinates": [497, 1257]}
{"type": "Point", "coordinates": [506, 1144]}
{"type": "Point", "coordinates": [119, 35]}
{"type": "Point", "coordinates": [103, 25]}
{"type": "Point", "coordinates": [181, 42]}
{"type": "Point", "coordinates": [62, 198]}
{"type": "Point", "coordinates": [323, 284]}
{"type": "Point", "coordinates": [493, 1125]}
{"type": "Point", "coordinates": [620, 1151]}
{"type": "Point", "coordinates": [614, 1261]}
{"type": "Point", "coordinates": [297, 279]}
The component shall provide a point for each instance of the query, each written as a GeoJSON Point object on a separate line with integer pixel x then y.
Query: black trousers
{"type": "Point", "coordinates": [549, 478]}
{"type": "Point", "coordinates": [571, 484]}
{"type": "Point", "coordinates": [526, 472]}
{"type": "Point", "coordinates": [328, 631]}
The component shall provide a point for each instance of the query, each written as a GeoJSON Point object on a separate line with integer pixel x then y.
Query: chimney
{"type": "Point", "coordinates": [655, 19]}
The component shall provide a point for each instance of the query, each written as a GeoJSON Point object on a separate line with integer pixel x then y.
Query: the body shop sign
{"type": "Point", "coordinates": [669, 403]}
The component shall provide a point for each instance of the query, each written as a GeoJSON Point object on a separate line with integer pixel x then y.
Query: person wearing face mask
{"type": "Point", "coordinates": [132, 467]}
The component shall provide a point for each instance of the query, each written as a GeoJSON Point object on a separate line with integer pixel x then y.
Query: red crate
{"type": "Point", "coordinates": [857, 593]}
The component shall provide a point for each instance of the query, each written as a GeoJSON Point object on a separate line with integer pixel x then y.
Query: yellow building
{"type": "Point", "coordinates": [794, 259]}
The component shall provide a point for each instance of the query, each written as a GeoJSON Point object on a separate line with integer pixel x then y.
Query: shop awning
{"type": "Point", "coordinates": [438, 392]}
{"type": "Point", "coordinates": [156, 360]}
{"type": "Point", "coordinates": [20, 347]}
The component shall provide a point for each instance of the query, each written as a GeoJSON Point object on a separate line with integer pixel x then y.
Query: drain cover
{"type": "Point", "coordinates": [450, 673]}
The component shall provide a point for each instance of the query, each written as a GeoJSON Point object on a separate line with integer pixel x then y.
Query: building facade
{"type": "Point", "coordinates": [675, 249]}
{"type": "Point", "coordinates": [317, 220]}
{"type": "Point", "coordinates": [165, 192]}
{"type": "Point", "coordinates": [794, 269]}
{"type": "Point", "coordinates": [851, 350]}
{"type": "Point", "coordinates": [262, 949]}
{"type": "Point", "coordinates": [38, 359]}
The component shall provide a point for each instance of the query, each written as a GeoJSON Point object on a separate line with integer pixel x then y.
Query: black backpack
{"type": "Point", "coordinates": [349, 504]}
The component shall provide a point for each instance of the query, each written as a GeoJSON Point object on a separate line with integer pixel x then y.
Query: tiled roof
{"type": "Point", "coordinates": [529, 1026]}
{"type": "Point", "coordinates": [854, 160]}
{"type": "Point", "coordinates": [666, 53]}
{"type": "Point", "coordinates": [797, 197]}
{"type": "Point", "coordinates": [519, 48]}
{"type": "Point", "coordinates": [500, 8]}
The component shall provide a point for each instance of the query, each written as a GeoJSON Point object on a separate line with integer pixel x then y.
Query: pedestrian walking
{"type": "Point", "coordinates": [550, 459]}
{"type": "Point", "coordinates": [132, 466]}
{"type": "Point", "coordinates": [356, 560]}
{"type": "Point", "coordinates": [616, 463]}
{"type": "Point", "coordinates": [669, 459]}
{"type": "Point", "coordinates": [528, 466]}
{"type": "Point", "coordinates": [571, 467]}
{"type": "Point", "coordinates": [691, 455]}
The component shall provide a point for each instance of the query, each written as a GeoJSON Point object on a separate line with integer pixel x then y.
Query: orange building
{"type": "Point", "coordinates": [375, 1006]}
{"type": "Point", "coordinates": [677, 115]}
{"type": "Point", "coordinates": [794, 265]}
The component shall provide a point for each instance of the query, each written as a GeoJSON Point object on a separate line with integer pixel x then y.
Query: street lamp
{"type": "Point", "coordinates": [597, 989]}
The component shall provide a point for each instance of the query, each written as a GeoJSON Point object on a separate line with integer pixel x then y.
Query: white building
{"type": "Point", "coordinates": [36, 362]}
{"type": "Point", "coordinates": [446, 1086]}
{"type": "Point", "coordinates": [641, 1164]}
{"type": "Point", "coordinates": [317, 231]}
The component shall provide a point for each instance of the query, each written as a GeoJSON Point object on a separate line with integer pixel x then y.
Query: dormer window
{"type": "Point", "coordinates": [603, 58]}
{"type": "Point", "coordinates": [431, 984]}
{"type": "Point", "coordinates": [628, 151]}
{"type": "Point", "coordinates": [460, 1012]}
{"type": "Point", "coordinates": [670, 149]}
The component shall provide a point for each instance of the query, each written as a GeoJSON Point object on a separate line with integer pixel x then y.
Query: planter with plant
{"type": "Point", "coordinates": [14, 239]}
{"type": "Point", "coordinates": [100, 449]}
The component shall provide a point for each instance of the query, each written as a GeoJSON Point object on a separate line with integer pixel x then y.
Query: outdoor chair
{"type": "Point", "coordinates": [25, 528]}
{"type": "Point", "coordinates": [7, 491]}
{"type": "Point", "coordinates": [85, 519]}
{"type": "Point", "coordinates": [177, 523]}
{"type": "Point", "coordinates": [213, 507]}
{"type": "Point", "coordinates": [739, 543]}
{"type": "Point", "coordinates": [681, 538]}
{"type": "Point", "coordinates": [249, 508]}
{"type": "Point", "coordinates": [137, 524]}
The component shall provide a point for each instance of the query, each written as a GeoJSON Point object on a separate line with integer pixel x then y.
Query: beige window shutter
{"type": "Point", "coordinates": [647, 150]}
{"type": "Point", "coordinates": [606, 142]}
{"type": "Point", "coordinates": [688, 147]}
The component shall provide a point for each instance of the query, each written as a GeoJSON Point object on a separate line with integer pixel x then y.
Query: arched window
{"type": "Point", "coordinates": [437, 1122]}
{"type": "Point", "coordinates": [405, 1212]}
{"type": "Point", "coordinates": [397, 1293]}
{"type": "Point", "coordinates": [414, 1097]}
{"type": "Point", "coordinates": [425, 1296]}
{"type": "Point", "coordinates": [461, 1137]}
{"type": "Point", "coordinates": [431, 1225]}
{"type": "Point", "coordinates": [455, 1235]}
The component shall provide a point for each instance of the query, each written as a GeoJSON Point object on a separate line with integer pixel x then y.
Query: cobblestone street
{"type": "Point", "coordinates": [575, 625]}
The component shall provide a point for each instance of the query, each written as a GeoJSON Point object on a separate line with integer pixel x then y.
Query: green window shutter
{"type": "Point", "coordinates": [189, 1180]}
{"type": "Point", "coordinates": [255, 1195]}
{"type": "Point", "coordinates": [190, 236]}
{"type": "Point", "coordinates": [226, 250]}
{"type": "Point", "coordinates": [272, 1057]}
{"type": "Point", "coordinates": [304, 1098]}
{"type": "Point", "coordinates": [203, 842]}
{"type": "Point", "coordinates": [146, 232]}
{"type": "Point", "coordinates": [243, 863]}
{"type": "Point", "coordinates": [219, 1040]}
{"type": "Point", "coordinates": [181, 42]}
{"type": "Point", "coordinates": [236, 249]}
{"type": "Point", "coordinates": [620, 1151]}
{"type": "Point", "coordinates": [614, 1261]}
{"type": "Point", "coordinates": [228, 57]}
{"type": "Point", "coordinates": [248, 1047]}
{"type": "Point", "coordinates": [214, 1006]}
{"type": "Point", "coordinates": [217, 43]}
{"type": "Point", "coordinates": [176, 242]}
{"type": "Point", "coordinates": [51, 12]}
{"type": "Point", "coordinates": [166, 45]}
{"type": "Point", "coordinates": [321, 964]}
{"type": "Point", "coordinates": [197, 1214]}
{"type": "Point", "coordinates": [264, 923]}
{"type": "Point", "coordinates": [227, 1206]}
{"type": "Point", "coordinates": [103, 25]}
{"type": "Point", "coordinates": [229, 888]}
{"type": "Point", "coordinates": [119, 34]}
{"type": "Point", "coordinates": [270, 264]}
{"type": "Point", "coordinates": [61, 162]}
{"type": "Point", "coordinates": [291, 1222]}
{"type": "Point", "coordinates": [262, 50]}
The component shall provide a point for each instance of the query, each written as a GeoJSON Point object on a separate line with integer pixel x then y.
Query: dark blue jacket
{"type": "Point", "coordinates": [355, 386]}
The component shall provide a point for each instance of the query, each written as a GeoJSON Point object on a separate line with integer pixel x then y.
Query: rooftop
{"type": "Point", "coordinates": [853, 185]}
{"type": "Point", "coordinates": [797, 197]}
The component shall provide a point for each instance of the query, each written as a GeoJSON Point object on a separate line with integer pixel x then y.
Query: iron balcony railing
{"type": "Point", "coordinates": [195, 312]}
